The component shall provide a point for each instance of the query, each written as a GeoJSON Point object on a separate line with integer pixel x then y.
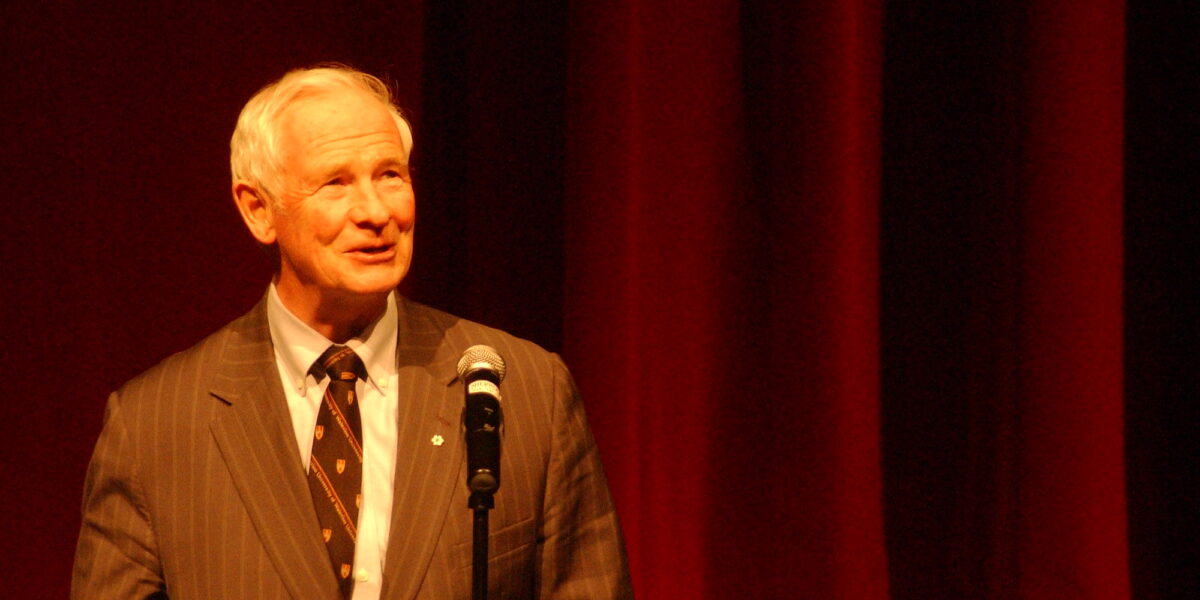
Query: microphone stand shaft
{"type": "Point", "coordinates": [479, 558]}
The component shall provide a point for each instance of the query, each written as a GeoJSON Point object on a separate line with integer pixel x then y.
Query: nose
{"type": "Point", "coordinates": [369, 208]}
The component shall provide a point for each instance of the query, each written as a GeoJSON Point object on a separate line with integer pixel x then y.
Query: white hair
{"type": "Point", "coordinates": [254, 148]}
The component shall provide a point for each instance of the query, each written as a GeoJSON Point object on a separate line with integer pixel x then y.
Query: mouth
{"type": "Point", "coordinates": [373, 253]}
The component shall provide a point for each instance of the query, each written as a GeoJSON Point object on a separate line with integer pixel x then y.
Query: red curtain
{"type": "Point", "coordinates": [1069, 437]}
{"type": "Point", "coordinates": [845, 285]}
{"type": "Point", "coordinates": [722, 286]}
{"type": "Point", "coordinates": [721, 290]}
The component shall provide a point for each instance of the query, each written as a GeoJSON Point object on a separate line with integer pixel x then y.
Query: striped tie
{"type": "Point", "coordinates": [335, 467]}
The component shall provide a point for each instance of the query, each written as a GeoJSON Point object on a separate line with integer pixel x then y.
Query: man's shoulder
{"type": "Point", "coordinates": [193, 369]}
{"type": "Point", "coordinates": [459, 333]}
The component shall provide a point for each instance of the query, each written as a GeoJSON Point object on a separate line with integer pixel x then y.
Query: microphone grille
{"type": "Point", "coordinates": [481, 357]}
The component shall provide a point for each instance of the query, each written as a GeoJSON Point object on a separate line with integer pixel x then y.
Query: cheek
{"type": "Point", "coordinates": [325, 226]}
{"type": "Point", "coordinates": [404, 209]}
{"type": "Point", "coordinates": [408, 213]}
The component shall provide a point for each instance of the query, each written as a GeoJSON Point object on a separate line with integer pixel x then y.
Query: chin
{"type": "Point", "coordinates": [377, 284]}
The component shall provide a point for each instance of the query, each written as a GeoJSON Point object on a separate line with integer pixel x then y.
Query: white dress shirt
{"type": "Point", "coordinates": [297, 346]}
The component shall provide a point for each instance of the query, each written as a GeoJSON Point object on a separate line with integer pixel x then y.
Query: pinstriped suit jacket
{"type": "Point", "coordinates": [196, 489]}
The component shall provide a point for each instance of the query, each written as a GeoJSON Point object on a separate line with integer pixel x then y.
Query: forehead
{"type": "Point", "coordinates": [314, 119]}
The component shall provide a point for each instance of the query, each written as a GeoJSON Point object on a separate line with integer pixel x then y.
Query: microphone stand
{"type": "Point", "coordinates": [481, 370]}
{"type": "Point", "coordinates": [482, 419]}
{"type": "Point", "coordinates": [481, 503]}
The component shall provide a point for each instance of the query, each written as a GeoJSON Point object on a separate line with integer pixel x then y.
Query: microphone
{"type": "Point", "coordinates": [482, 370]}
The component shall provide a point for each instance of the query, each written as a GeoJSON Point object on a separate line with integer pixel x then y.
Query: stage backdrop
{"type": "Point", "coordinates": [866, 299]}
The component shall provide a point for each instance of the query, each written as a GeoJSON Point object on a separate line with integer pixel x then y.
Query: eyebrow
{"type": "Point", "coordinates": [337, 168]}
{"type": "Point", "coordinates": [392, 161]}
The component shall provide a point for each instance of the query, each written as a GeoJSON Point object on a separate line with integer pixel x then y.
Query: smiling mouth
{"type": "Point", "coordinates": [374, 253]}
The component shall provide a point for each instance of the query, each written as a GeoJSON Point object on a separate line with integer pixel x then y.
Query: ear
{"type": "Point", "coordinates": [256, 210]}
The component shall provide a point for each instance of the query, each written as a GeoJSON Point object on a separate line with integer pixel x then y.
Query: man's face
{"type": "Point", "coordinates": [344, 220]}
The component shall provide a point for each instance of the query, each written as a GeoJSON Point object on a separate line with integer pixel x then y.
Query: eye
{"type": "Point", "coordinates": [335, 181]}
{"type": "Point", "coordinates": [392, 169]}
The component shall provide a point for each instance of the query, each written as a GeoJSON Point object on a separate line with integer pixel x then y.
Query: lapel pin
{"type": "Point", "coordinates": [437, 440]}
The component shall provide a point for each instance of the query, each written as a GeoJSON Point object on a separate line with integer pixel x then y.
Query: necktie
{"type": "Point", "coordinates": [335, 466]}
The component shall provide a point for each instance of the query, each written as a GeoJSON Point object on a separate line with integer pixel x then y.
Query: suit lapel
{"type": "Point", "coordinates": [429, 449]}
{"type": "Point", "coordinates": [257, 442]}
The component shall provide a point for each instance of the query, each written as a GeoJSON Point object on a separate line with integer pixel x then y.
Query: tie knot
{"type": "Point", "coordinates": [340, 363]}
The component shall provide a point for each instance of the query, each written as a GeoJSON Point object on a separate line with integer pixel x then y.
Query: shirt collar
{"type": "Point", "coordinates": [297, 345]}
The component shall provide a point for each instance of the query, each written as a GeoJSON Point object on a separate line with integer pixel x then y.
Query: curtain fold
{"type": "Point", "coordinates": [653, 143]}
{"type": "Point", "coordinates": [1070, 458]}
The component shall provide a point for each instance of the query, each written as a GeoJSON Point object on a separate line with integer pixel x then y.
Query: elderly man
{"type": "Point", "coordinates": [313, 447]}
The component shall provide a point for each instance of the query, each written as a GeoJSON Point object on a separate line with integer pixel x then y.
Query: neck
{"type": "Point", "coordinates": [338, 317]}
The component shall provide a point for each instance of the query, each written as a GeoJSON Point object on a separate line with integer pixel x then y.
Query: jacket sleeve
{"type": "Point", "coordinates": [117, 555]}
{"type": "Point", "coordinates": [582, 553]}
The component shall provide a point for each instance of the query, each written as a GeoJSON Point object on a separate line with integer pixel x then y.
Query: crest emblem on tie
{"type": "Point", "coordinates": [358, 500]}
{"type": "Point", "coordinates": [319, 432]}
{"type": "Point", "coordinates": [345, 570]}
{"type": "Point", "coordinates": [341, 465]}
{"type": "Point", "coordinates": [326, 533]}
{"type": "Point", "coordinates": [350, 397]}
